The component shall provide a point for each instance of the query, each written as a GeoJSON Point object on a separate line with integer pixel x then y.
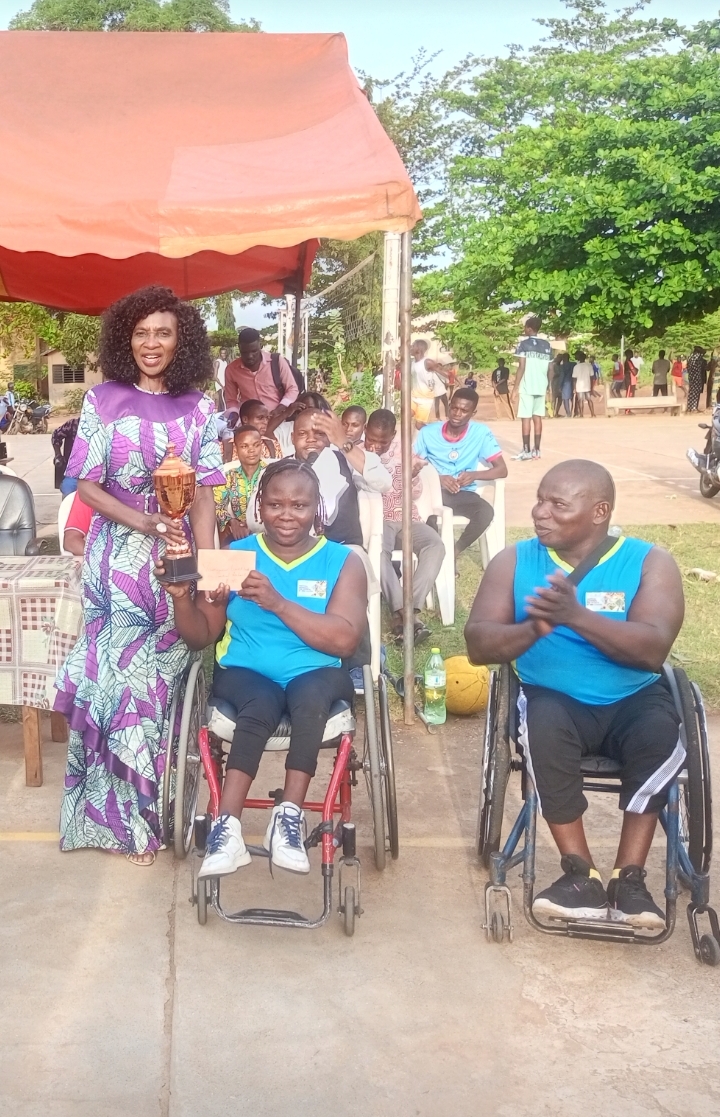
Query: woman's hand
{"type": "Point", "coordinates": [238, 529]}
{"type": "Point", "coordinates": [182, 589]}
{"type": "Point", "coordinates": [258, 588]}
{"type": "Point", "coordinates": [162, 527]}
{"type": "Point", "coordinates": [218, 598]}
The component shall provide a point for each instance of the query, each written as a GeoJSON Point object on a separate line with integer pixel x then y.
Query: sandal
{"type": "Point", "coordinates": [144, 860]}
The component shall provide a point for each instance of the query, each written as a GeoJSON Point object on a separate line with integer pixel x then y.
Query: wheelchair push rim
{"type": "Point", "coordinates": [181, 782]}
{"type": "Point", "coordinates": [373, 769]}
{"type": "Point", "coordinates": [496, 765]}
{"type": "Point", "coordinates": [695, 799]}
{"type": "Point", "coordinates": [388, 761]}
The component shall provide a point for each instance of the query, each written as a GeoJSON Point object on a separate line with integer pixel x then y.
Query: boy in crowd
{"type": "Point", "coordinates": [455, 449]}
{"type": "Point", "coordinates": [380, 437]}
{"type": "Point", "coordinates": [583, 377]}
{"type": "Point", "coordinates": [254, 413]}
{"type": "Point", "coordinates": [241, 481]}
{"type": "Point", "coordinates": [353, 420]}
{"type": "Point", "coordinates": [532, 380]}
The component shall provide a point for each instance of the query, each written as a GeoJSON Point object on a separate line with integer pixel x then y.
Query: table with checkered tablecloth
{"type": "Point", "coordinates": [40, 620]}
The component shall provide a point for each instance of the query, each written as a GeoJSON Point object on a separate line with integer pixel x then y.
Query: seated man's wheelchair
{"type": "Point", "coordinates": [687, 822]}
{"type": "Point", "coordinates": [198, 738]}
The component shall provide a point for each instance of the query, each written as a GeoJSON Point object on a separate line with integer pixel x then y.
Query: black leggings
{"type": "Point", "coordinates": [260, 704]}
{"type": "Point", "coordinates": [475, 509]}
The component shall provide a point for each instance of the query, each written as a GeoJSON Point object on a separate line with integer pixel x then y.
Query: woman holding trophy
{"type": "Point", "coordinates": [146, 457]}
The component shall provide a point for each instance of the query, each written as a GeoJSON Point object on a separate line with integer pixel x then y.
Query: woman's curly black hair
{"type": "Point", "coordinates": [191, 367]}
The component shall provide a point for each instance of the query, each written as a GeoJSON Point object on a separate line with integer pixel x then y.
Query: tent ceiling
{"type": "Point", "coordinates": [204, 161]}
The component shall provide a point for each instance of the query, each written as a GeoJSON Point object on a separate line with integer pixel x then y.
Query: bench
{"type": "Point", "coordinates": [614, 404]}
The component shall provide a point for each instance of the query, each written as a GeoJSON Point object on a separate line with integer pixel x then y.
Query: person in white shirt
{"type": "Point", "coordinates": [582, 375]}
{"type": "Point", "coordinates": [219, 365]}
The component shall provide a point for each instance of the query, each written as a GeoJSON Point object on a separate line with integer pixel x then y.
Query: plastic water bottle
{"type": "Point", "coordinates": [435, 679]}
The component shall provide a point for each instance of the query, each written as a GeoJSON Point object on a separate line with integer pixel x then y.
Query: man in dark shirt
{"type": "Point", "coordinates": [62, 441]}
{"type": "Point", "coordinates": [500, 381]}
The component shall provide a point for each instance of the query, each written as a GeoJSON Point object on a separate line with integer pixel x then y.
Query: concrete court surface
{"type": "Point", "coordinates": [115, 1002]}
{"type": "Point", "coordinates": [645, 454]}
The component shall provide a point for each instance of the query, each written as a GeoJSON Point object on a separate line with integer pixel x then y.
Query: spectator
{"type": "Point", "coordinates": [677, 374]}
{"type": "Point", "coordinates": [380, 437]}
{"type": "Point", "coordinates": [618, 376]}
{"type": "Point", "coordinates": [630, 374]}
{"type": "Point", "coordinates": [556, 375]}
{"type": "Point", "coordinates": [500, 380]}
{"type": "Point", "coordinates": [241, 481]}
{"type": "Point", "coordinates": [425, 378]}
{"type": "Point", "coordinates": [567, 384]}
{"type": "Point", "coordinates": [440, 390]}
{"type": "Point", "coordinates": [62, 441]}
{"type": "Point", "coordinates": [532, 383]}
{"type": "Point", "coordinates": [77, 527]}
{"type": "Point", "coordinates": [455, 449]}
{"type": "Point", "coordinates": [696, 370]}
{"type": "Point", "coordinates": [219, 366]}
{"type": "Point", "coordinates": [452, 384]}
{"type": "Point", "coordinates": [251, 376]}
{"type": "Point", "coordinates": [582, 375]}
{"type": "Point", "coordinates": [281, 424]}
{"type": "Point", "coordinates": [660, 369]}
{"type": "Point", "coordinates": [253, 413]}
{"type": "Point", "coordinates": [353, 420]}
{"type": "Point", "coordinates": [711, 369]}
{"type": "Point", "coordinates": [471, 381]}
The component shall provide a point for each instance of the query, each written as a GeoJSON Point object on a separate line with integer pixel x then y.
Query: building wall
{"type": "Point", "coordinates": [58, 392]}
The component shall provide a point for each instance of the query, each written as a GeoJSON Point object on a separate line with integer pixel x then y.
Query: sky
{"type": "Point", "coordinates": [384, 34]}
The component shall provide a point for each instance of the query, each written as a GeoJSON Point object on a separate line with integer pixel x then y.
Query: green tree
{"type": "Point", "coordinates": [129, 15]}
{"type": "Point", "coordinates": [588, 189]}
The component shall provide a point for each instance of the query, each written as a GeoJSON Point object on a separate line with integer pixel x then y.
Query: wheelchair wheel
{"type": "Point", "coordinates": [695, 792]}
{"type": "Point", "coordinates": [495, 765]}
{"type": "Point", "coordinates": [187, 774]}
{"type": "Point", "coordinates": [373, 769]}
{"type": "Point", "coordinates": [349, 911]}
{"type": "Point", "coordinates": [388, 762]}
{"type": "Point", "coordinates": [168, 795]}
{"type": "Point", "coordinates": [203, 887]}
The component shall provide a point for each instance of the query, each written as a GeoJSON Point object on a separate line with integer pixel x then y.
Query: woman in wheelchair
{"type": "Point", "coordinates": [297, 615]}
{"type": "Point", "coordinates": [589, 661]}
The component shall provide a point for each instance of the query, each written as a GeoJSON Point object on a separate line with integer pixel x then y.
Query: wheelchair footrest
{"type": "Point", "coordinates": [597, 929]}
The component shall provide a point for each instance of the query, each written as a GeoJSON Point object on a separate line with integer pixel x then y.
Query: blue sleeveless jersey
{"type": "Point", "coordinates": [563, 660]}
{"type": "Point", "coordinates": [262, 642]}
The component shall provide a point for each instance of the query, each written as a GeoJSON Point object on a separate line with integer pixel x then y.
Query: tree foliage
{"type": "Point", "coordinates": [588, 188]}
{"type": "Point", "coordinates": [129, 15]}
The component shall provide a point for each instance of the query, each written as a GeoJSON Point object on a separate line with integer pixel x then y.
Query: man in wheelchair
{"type": "Point", "coordinates": [296, 616]}
{"type": "Point", "coordinates": [587, 620]}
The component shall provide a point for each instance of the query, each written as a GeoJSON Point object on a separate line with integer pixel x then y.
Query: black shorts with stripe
{"type": "Point", "coordinates": [641, 732]}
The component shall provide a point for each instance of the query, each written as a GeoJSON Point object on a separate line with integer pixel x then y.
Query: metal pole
{"type": "Point", "coordinates": [406, 437]}
{"type": "Point", "coordinates": [297, 321]}
{"type": "Point", "coordinates": [390, 312]}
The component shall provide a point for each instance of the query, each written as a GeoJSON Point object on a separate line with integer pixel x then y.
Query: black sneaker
{"type": "Point", "coordinates": [630, 901]}
{"type": "Point", "coordinates": [576, 895]}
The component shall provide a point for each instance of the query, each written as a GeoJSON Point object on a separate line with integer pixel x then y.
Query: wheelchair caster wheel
{"type": "Point", "coordinates": [709, 950]}
{"type": "Point", "coordinates": [202, 901]}
{"type": "Point", "coordinates": [349, 911]}
{"type": "Point", "coordinates": [497, 927]}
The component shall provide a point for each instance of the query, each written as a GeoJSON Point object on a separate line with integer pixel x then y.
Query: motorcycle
{"type": "Point", "coordinates": [32, 417]}
{"type": "Point", "coordinates": [708, 464]}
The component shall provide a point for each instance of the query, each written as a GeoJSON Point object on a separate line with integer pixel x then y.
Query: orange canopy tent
{"type": "Point", "coordinates": [205, 162]}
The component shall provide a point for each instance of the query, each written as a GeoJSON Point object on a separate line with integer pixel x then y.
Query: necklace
{"type": "Point", "coordinates": [149, 391]}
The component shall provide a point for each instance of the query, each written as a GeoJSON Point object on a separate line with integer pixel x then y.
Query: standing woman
{"type": "Point", "coordinates": [696, 370]}
{"type": "Point", "coordinates": [116, 685]}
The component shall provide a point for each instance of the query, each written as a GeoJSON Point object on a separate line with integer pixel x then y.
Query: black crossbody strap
{"type": "Point", "coordinates": [591, 560]}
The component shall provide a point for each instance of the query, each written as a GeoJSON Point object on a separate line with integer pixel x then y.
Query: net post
{"type": "Point", "coordinates": [406, 421]}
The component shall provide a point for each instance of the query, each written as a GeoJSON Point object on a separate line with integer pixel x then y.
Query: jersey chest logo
{"type": "Point", "coordinates": [609, 602]}
{"type": "Point", "coordinates": [307, 587]}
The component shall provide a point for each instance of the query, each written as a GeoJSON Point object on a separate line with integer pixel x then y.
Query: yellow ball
{"type": "Point", "coordinates": [467, 686]}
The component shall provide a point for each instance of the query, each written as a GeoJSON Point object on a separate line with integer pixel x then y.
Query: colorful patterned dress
{"type": "Point", "coordinates": [116, 686]}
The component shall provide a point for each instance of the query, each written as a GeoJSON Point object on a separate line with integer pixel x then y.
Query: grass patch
{"type": "Point", "coordinates": [697, 648]}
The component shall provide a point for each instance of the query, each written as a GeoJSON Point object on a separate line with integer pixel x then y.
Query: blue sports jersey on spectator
{"type": "Point", "coordinates": [478, 444]}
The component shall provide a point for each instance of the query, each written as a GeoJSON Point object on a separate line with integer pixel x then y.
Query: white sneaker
{"type": "Point", "coordinates": [284, 838]}
{"type": "Point", "coordinates": [225, 851]}
{"type": "Point", "coordinates": [523, 456]}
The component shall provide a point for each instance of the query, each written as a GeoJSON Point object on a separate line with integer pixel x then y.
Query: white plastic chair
{"type": "Point", "coordinates": [371, 521]}
{"type": "Point", "coordinates": [491, 542]}
{"type": "Point", "coordinates": [7, 470]}
{"type": "Point", "coordinates": [63, 513]}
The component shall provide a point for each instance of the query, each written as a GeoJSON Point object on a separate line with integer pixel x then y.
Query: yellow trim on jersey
{"type": "Point", "coordinates": [296, 562]}
{"type": "Point", "coordinates": [569, 569]}
{"type": "Point", "coordinates": [222, 645]}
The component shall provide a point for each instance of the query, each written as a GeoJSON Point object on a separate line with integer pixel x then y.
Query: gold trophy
{"type": "Point", "coordinates": [174, 482]}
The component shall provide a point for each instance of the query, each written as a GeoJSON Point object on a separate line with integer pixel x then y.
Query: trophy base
{"type": "Point", "coordinates": [178, 570]}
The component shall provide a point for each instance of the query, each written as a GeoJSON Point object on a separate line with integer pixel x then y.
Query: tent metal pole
{"type": "Point", "coordinates": [406, 422]}
{"type": "Point", "coordinates": [297, 321]}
